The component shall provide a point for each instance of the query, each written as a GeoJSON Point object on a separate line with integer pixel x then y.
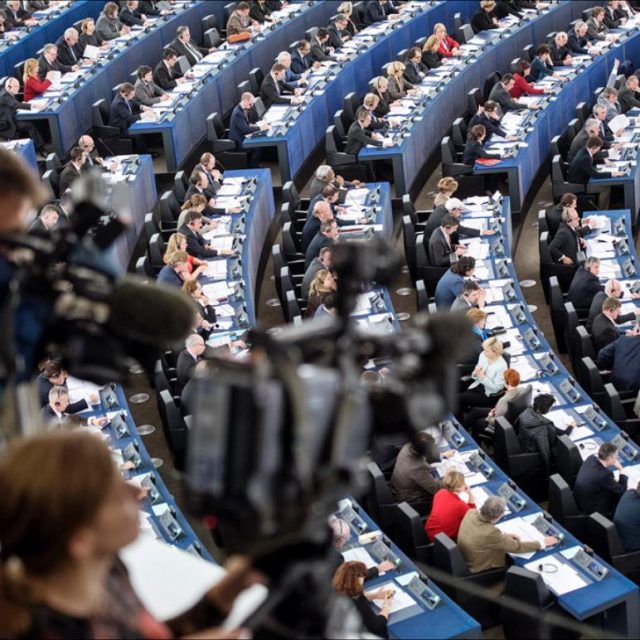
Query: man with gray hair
{"type": "Point", "coordinates": [294, 79]}
{"type": "Point", "coordinates": [324, 176]}
{"type": "Point", "coordinates": [613, 289]}
{"type": "Point", "coordinates": [188, 358]}
{"type": "Point", "coordinates": [591, 128]}
{"type": "Point", "coordinates": [69, 53]}
{"type": "Point", "coordinates": [585, 284]}
{"type": "Point", "coordinates": [484, 546]}
{"type": "Point", "coordinates": [10, 128]}
{"type": "Point", "coordinates": [48, 61]}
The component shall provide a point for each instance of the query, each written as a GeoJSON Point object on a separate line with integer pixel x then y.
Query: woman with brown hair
{"type": "Point", "coordinates": [194, 290]}
{"type": "Point", "coordinates": [321, 286]}
{"type": "Point", "coordinates": [446, 188]}
{"type": "Point", "coordinates": [65, 514]}
{"type": "Point", "coordinates": [177, 242]}
{"type": "Point", "coordinates": [349, 581]}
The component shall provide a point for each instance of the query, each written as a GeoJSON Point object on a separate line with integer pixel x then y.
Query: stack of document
{"type": "Point", "coordinates": [216, 270]}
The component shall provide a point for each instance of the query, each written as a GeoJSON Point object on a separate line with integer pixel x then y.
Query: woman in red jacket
{"type": "Point", "coordinates": [448, 46]}
{"type": "Point", "coordinates": [33, 86]}
{"type": "Point", "coordinates": [450, 505]}
{"type": "Point", "coordinates": [521, 85]}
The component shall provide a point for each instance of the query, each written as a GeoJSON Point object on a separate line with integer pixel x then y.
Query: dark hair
{"type": "Point", "coordinates": [477, 131]}
{"type": "Point", "coordinates": [542, 49]}
{"type": "Point", "coordinates": [449, 221]}
{"type": "Point", "coordinates": [322, 33]}
{"type": "Point", "coordinates": [126, 87]}
{"type": "Point", "coordinates": [464, 264]}
{"type": "Point", "coordinates": [470, 286]}
{"type": "Point", "coordinates": [143, 70]}
{"type": "Point", "coordinates": [302, 44]}
{"type": "Point", "coordinates": [568, 198]}
{"type": "Point", "coordinates": [242, 6]}
{"type": "Point", "coordinates": [110, 8]}
{"type": "Point", "coordinates": [506, 78]}
{"type": "Point", "coordinates": [192, 216]}
{"type": "Point", "coordinates": [594, 142]}
{"type": "Point", "coordinates": [423, 444]}
{"type": "Point", "coordinates": [169, 52]}
{"type": "Point", "coordinates": [329, 191]}
{"type": "Point", "coordinates": [50, 368]}
{"type": "Point", "coordinates": [522, 65]}
{"type": "Point", "coordinates": [195, 176]}
{"type": "Point", "coordinates": [75, 153]}
{"type": "Point", "coordinates": [330, 301]}
{"type": "Point", "coordinates": [606, 450]}
{"type": "Point", "coordinates": [277, 68]}
{"type": "Point", "coordinates": [543, 402]}
{"type": "Point", "coordinates": [490, 105]}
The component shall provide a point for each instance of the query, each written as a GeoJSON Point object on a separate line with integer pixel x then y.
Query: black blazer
{"type": "Point", "coordinates": [122, 115]}
{"type": "Point", "coordinates": [434, 221]}
{"type": "Point", "coordinates": [603, 331]}
{"type": "Point", "coordinates": [582, 168]}
{"type": "Point", "coordinates": [628, 99]}
{"type": "Point", "coordinates": [357, 138]}
{"type": "Point", "coordinates": [68, 176]}
{"type": "Point", "coordinates": [374, 12]}
{"type": "Point", "coordinates": [66, 52]}
{"type": "Point", "coordinates": [259, 11]}
{"type": "Point", "coordinates": [148, 7]}
{"type": "Point", "coordinates": [130, 18]}
{"type": "Point", "coordinates": [44, 67]}
{"type": "Point", "coordinates": [185, 368]}
{"type": "Point", "coordinates": [313, 250]}
{"type": "Point", "coordinates": [336, 36]}
{"type": "Point", "coordinates": [15, 20]}
{"type": "Point", "coordinates": [383, 106]}
{"type": "Point", "coordinates": [182, 50]}
{"type": "Point", "coordinates": [86, 39]}
{"type": "Point", "coordinates": [482, 20]}
{"type": "Point", "coordinates": [473, 150]}
{"type": "Point", "coordinates": [564, 243]}
{"type": "Point", "coordinates": [300, 63]}
{"type": "Point", "coordinates": [492, 126]}
{"type": "Point", "coordinates": [165, 77]}
{"type": "Point", "coordinates": [196, 244]}
{"type": "Point", "coordinates": [412, 72]}
{"type": "Point", "coordinates": [584, 287]}
{"type": "Point", "coordinates": [558, 54]}
{"type": "Point", "coordinates": [440, 250]}
{"type": "Point", "coordinates": [576, 44]}
{"type": "Point", "coordinates": [319, 51]}
{"type": "Point", "coordinates": [272, 92]}
{"type": "Point", "coordinates": [9, 104]}
{"type": "Point", "coordinates": [431, 60]}
{"type": "Point", "coordinates": [596, 489]}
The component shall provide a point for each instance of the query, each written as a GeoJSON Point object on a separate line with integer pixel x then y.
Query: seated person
{"type": "Point", "coordinates": [188, 358]}
{"type": "Point", "coordinates": [323, 261]}
{"type": "Point", "coordinates": [473, 148]}
{"type": "Point", "coordinates": [412, 480]}
{"type": "Point", "coordinates": [185, 46]}
{"type": "Point", "coordinates": [629, 94]}
{"type": "Point", "coordinates": [488, 376]}
{"type": "Point", "coordinates": [326, 176]}
{"type": "Point", "coordinates": [612, 289]}
{"type": "Point", "coordinates": [450, 505]}
{"type": "Point", "coordinates": [472, 295]}
{"type": "Point", "coordinates": [446, 186]}
{"type": "Point", "coordinates": [274, 90]}
{"type": "Point", "coordinates": [414, 69]}
{"type": "Point", "coordinates": [537, 433]}
{"type": "Point", "coordinates": [327, 236]}
{"type": "Point", "coordinates": [349, 581]}
{"type": "Point", "coordinates": [73, 169]}
{"type": "Point", "coordinates": [108, 25]}
{"type": "Point", "coordinates": [566, 246]}
{"type": "Point", "coordinates": [578, 42]}
{"type": "Point", "coordinates": [194, 290]}
{"type": "Point", "coordinates": [585, 284]}
{"type": "Point", "coordinates": [560, 52]}
{"type": "Point", "coordinates": [175, 271]}
{"type": "Point", "coordinates": [301, 61]}
{"type": "Point", "coordinates": [147, 92]}
{"type": "Point", "coordinates": [48, 62]}
{"type": "Point", "coordinates": [329, 306]}
{"type": "Point", "coordinates": [430, 53]}
{"type": "Point", "coordinates": [484, 18]}
{"type": "Point", "coordinates": [542, 64]}
{"type": "Point", "coordinates": [16, 16]}
{"type": "Point", "coordinates": [489, 118]}
{"type": "Point", "coordinates": [398, 87]}
{"type": "Point", "coordinates": [627, 519]}
{"type": "Point", "coordinates": [451, 284]}
{"type": "Point", "coordinates": [196, 245]}
{"type": "Point", "coordinates": [604, 329]}
{"type": "Point", "coordinates": [448, 46]}
{"type": "Point", "coordinates": [479, 319]}
{"type": "Point", "coordinates": [10, 128]}
{"type": "Point", "coordinates": [521, 81]}
{"type": "Point", "coordinates": [441, 250]}
{"type": "Point", "coordinates": [595, 488]}
{"type": "Point", "coordinates": [125, 109]}
{"type": "Point", "coordinates": [46, 222]}
{"type": "Point", "coordinates": [622, 358]}
{"type": "Point", "coordinates": [199, 185]}
{"type": "Point", "coordinates": [501, 94]}
{"type": "Point", "coordinates": [88, 36]}
{"type": "Point", "coordinates": [484, 546]}
{"type": "Point", "coordinates": [596, 28]}
{"type": "Point", "coordinates": [240, 21]}
{"type": "Point", "coordinates": [321, 213]}
{"type": "Point", "coordinates": [379, 11]}
{"type": "Point", "coordinates": [359, 136]}
{"type": "Point", "coordinates": [608, 98]}
{"type": "Point", "coordinates": [339, 32]}
{"type": "Point", "coordinates": [380, 88]}
{"type": "Point", "coordinates": [56, 411]}
{"type": "Point", "coordinates": [53, 375]}
{"type": "Point", "coordinates": [33, 86]}
{"type": "Point", "coordinates": [320, 48]}
{"type": "Point", "coordinates": [240, 125]}
{"type": "Point", "coordinates": [322, 285]}
{"type": "Point", "coordinates": [177, 242]}
{"type": "Point", "coordinates": [166, 74]}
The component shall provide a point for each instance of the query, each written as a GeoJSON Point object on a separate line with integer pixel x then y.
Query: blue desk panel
{"type": "Point", "coordinates": [25, 149]}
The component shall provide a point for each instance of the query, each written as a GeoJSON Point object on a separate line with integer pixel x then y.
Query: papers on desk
{"type": "Point", "coordinates": [600, 222]}
{"type": "Point", "coordinates": [229, 189]}
{"type": "Point", "coordinates": [379, 323]}
{"type": "Point", "coordinates": [609, 270]}
{"type": "Point", "coordinates": [275, 113]}
{"type": "Point", "coordinates": [70, 77]}
{"type": "Point", "coordinates": [222, 243]}
{"type": "Point", "coordinates": [557, 574]}
{"type": "Point", "coordinates": [514, 337]}
{"type": "Point", "coordinates": [363, 305]}
{"type": "Point", "coordinates": [55, 77]}
{"type": "Point", "coordinates": [185, 87]}
{"type": "Point", "coordinates": [81, 390]}
{"type": "Point", "coordinates": [474, 223]}
{"type": "Point", "coordinates": [480, 496]}
{"type": "Point", "coordinates": [477, 248]}
{"type": "Point", "coordinates": [458, 462]}
{"type": "Point", "coordinates": [632, 472]}
{"type": "Point", "coordinates": [525, 531]}
{"type": "Point", "coordinates": [401, 599]}
{"type": "Point", "coordinates": [218, 290]}
{"type": "Point", "coordinates": [91, 52]}
{"type": "Point", "coordinates": [497, 316]}
{"type": "Point", "coordinates": [587, 446]}
{"type": "Point", "coordinates": [386, 140]}
{"type": "Point", "coordinates": [356, 196]}
{"type": "Point", "coordinates": [524, 368]}
{"type": "Point", "coordinates": [216, 269]}
{"type": "Point", "coordinates": [224, 311]}
{"type": "Point", "coordinates": [561, 419]}
{"type": "Point", "coordinates": [619, 122]}
{"type": "Point", "coordinates": [359, 554]}
{"type": "Point", "coordinates": [477, 200]}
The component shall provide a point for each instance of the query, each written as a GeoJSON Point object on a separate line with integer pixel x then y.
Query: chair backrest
{"type": "Point", "coordinates": [289, 242]}
{"type": "Point", "coordinates": [310, 33]}
{"type": "Point", "coordinates": [447, 152]}
{"type": "Point", "coordinates": [529, 52]}
{"type": "Point", "coordinates": [543, 225]}
{"type": "Point", "coordinates": [229, 8]}
{"type": "Point", "coordinates": [545, 255]}
{"type": "Point", "coordinates": [583, 111]}
{"type": "Point", "coordinates": [339, 121]}
{"type": "Point", "coordinates": [183, 65]}
{"type": "Point", "coordinates": [603, 537]}
{"type": "Point", "coordinates": [408, 208]}
{"type": "Point", "coordinates": [505, 442]}
{"type": "Point", "coordinates": [212, 38]}
{"type": "Point", "coordinates": [292, 308]}
{"type": "Point", "coordinates": [150, 226]}
{"type": "Point", "coordinates": [491, 80]}
{"type": "Point", "coordinates": [457, 20]}
{"type": "Point", "coordinates": [143, 267]}
{"type": "Point", "coordinates": [573, 128]}
{"type": "Point", "coordinates": [585, 343]}
{"type": "Point", "coordinates": [180, 185]}
{"type": "Point", "coordinates": [100, 113]}
{"type": "Point", "coordinates": [156, 251]}
{"type": "Point", "coordinates": [568, 459]}
{"type": "Point", "coordinates": [596, 386]}
{"type": "Point", "coordinates": [556, 299]}
{"type": "Point", "coordinates": [422, 297]}
{"type": "Point", "coordinates": [285, 214]}
{"type": "Point", "coordinates": [464, 33]}
{"type": "Point", "coordinates": [290, 194]}
{"type": "Point", "coordinates": [612, 403]}
{"type": "Point", "coordinates": [518, 405]}
{"type": "Point", "coordinates": [169, 208]}
{"type": "Point", "coordinates": [52, 180]}
{"type": "Point", "coordinates": [350, 105]}
{"type": "Point", "coordinates": [562, 504]}
{"type": "Point", "coordinates": [256, 77]}
{"type": "Point", "coordinates": [209, 22]}
{"type": "Point", "coordinates": [244, 87]}
{"type": "Point", "coordinates": [259, 107]}
{"type": "Point", "coordinates": [410, 533]}
{"type": "Point", "coordinates": [409, 237]}
{"type": "Point", "coordinates": [474, 100]}
{"type": "Point", "coordinates": [379, 498]}
{"type": "Point", "coordinates": [459, 132]}
{"type": "Point", "coordinates": [215, 127]}
{"type": "Point", "coordinates": [528, 586]}
{"type": "Point", "coordinates": [557, 173]}
{"type": "Point", "coordinates": [448, 557]}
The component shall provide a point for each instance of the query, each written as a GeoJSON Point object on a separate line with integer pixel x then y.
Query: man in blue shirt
{"type": "Point", "coordinates": [627, 519]}
{"type": "Point", "coordinates": [296, 80]}
{"type": "Point", "coordinates": [452, 282]}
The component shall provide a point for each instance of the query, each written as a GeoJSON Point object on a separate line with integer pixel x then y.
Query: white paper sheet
{"type": "Point", "coordinates": [401, 599]}
{"type": "Point", "coordinates": [525, 531]}
{"type": "Point", "coordinates": [559, 576]}
{"type": "Point", "coordinates": [359, 554]}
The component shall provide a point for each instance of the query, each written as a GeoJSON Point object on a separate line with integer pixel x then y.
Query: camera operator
{"type": "Point", "coordinates": [65, 514]}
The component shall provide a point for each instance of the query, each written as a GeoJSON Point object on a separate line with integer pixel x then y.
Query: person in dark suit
{"type": "Point", "coordinates": [338, 31]}
{"type": "Point", "coordinates": [320, 49]}
{"type": "Point", "coordinates": [490, 120]}
{"type": "Point", "coordinates": [69, 50]}
{"type": "Point", "coordinates": [125, 110]}
{"type": "Point", "coordinates": [604, 132]}
{"type": "Point", "coordinates": [451, 284]}
{"type": "Point", "coordinates": [612, 289]}
{"type": "Point", "coordinates": [414, 70]}
{"type": "Point", "coordinates": [321, 212]}
{"type": "Point", "coordinates": [166, 75]}
{"type": "Point", "coordinates": [197, 246]}
{"type": "Point", "coordinates": [484, 18]}
{"type": "Point", "coordinates": [627, 519]}
{"type": "Point", "coordinates": [429, 56]}
{"type": "Point", "coordinates": [131, 15]}
{"type": "Point", "coordinates": [500, 94]}
{"type": "Point", "coordinates": [622, 358]}
{"type": "Point", "coordinates": [56, 411]}
{"type": "Point", "coordinates": [582, 169]}
{"type": "Point", "coordinates": [259, 11]}
{"type": "Point", "coordinates": [566, 243]}
{"type": "Point", "coordinates": [327, 236]}
{"type": "Point", "coordinates": [240, 126]}
{"type": "Point", "coordinates": [560, 52]}
{"type": "Point", "coordinates": [378, 11]}
{"type": "Point", "coordinates": [10, 128]}
{"type": "Point", "coordinates": [274, 90]}
{"type": "Point", "coordinates": [473, 148]}
{"type": "Point", "coordinates": [199, 184]}
{"type": "Point", "coordinates": [595, 488]}
{"type": "Point", "coordinates": [48, 61]}
{"type": "Point", "coordinates": [301, 58]}
{"type": "Point", "coordinates": [188, 358]}
{"type": "Point", "coordinates": [212, 170]}
{"type": "Point", "coordinates": [147, 92]}
{"type": "Point", "coordinates": [46, 221]}
{"type": "Point", "coordinates": [585, 284]}
{"type": "Point", "coordinates": [359, 136]}
{"type": "Point", "coordinates": [578, 42]}
{"type": "Point", "coordinates": [629, 96]}
{"type": "Point", "coordinates": [16, 16]}
{"type": "Point", "coordinates": [591, 129]}
{"type": "Point", "coordinates": [149, 7]}
{"type": "Point", "coordinates": [72, 169]}
{"type": "Point", "coordinates": [442, 252]}
{"type": "Point", "coordinates": [542, 64]}
{"type": "Point", "coordinates": [175, 271]}
{"type": "Point", "coordinates": [604, 329]}
{"type": "Point", "coordinates": [612, 19]}
{"type": "Point", "coordinates": [92, 159]}
{"type": "Point", "coordinates": [185, 46]}
{"type": "Point", "coordinates": [452, 207]}
{"type": "Point", "coordinates": [554, 215]}
{"type": "Point", "coordinates": [53, 375]}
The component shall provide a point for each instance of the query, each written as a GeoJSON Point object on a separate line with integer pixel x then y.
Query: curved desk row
{"type": "Point", "coordinates": [182, 123]}
{"type": "Point", "coordinates": [304, 126]}
{"type": "Point", "coordinates": [25, 149]}
{"type": "Point", "coordinates": [68, 112]}
{"type": "Point", "coordinates": [51, 25]}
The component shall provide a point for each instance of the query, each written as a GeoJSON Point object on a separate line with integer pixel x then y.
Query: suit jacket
{"type": "Point", "coordinates": [357, 138]}
{"type": "Point", "coordinates": [182, 50]}
{"type": "Point", "coordinates": [627, 520]}
{"type": "Point", "coordinates": [558, 54]}
{"type": "Point", "coordinates": [148, 7]}
{"type": "Point", "coordinates": [336, 37]}
{"type": "Point", "coordinates": [13, 20]}
{"type": "Point", "coordinates": [130, 18]}
{"type": "Point", "coordinates": [169, 276]}
{"type": "Point", "coordinates": [196, 244]}
{"type": "Point", "coordinates": [500, 95]}
{"type": "Point", "coordinates": [431, 60]}
{"type": "Point", "coordinates": [564, 243]}
{"type": "Point", "coordinates": [9, 104]}
{"type": "Point", "coordinates": [394, 90]}
{"type": "Point", "coordinates": [312, 228]}
{"type": "Point", "coordinates": [68, 176]}
{"type": "Point", "coordinates": [259, 11]}
{"type": "Point", "coordinates": [603, 331]}
{"type": "Point", "coordinates": [484, 546]}
{"type": "Point", "coordinates": [539, 69]}
{"type": "Point", "coordinates": [596, 30]}
{"type": "Point", "coordinates": [272, 92]}
{"type": "Point", "coordinates": [412, 72]}
{"type": "Point", "coordinates": [214, 185]}
{"type": "Point", "coordinates": [449, 287]}
{"type": "Point", "coordinates": [434, 221]}
{"type": "Point", "coordinates": [313, 250]}
{"type": "Point", "coordinates": [596, 489]}
{"type": "Point", "coordinates": [580, 142]}
{"type": "Point", "coordinates": [491, 126]}
{"type": "Point", "coordinates": [50, 417]}
{"type": "Point", "coordinates": [584, 287]}
{"type": "Point", "coordinates": [44, 67]}
{"type": "Point", "coordinates": [148, 94]}
{"type": "Point", "coordinates": [44, 386]}
{"type": "Point", "coordinates": [300, 63]}
{"type": "Point", "coordinates": [613, 108]}
{"type": "Point", "coordinates": [314, 266]}
{"type": "Point", "coordinates": [240, 126]}
{"type": "Point", "coordinates": [68, 55]}
{"type": "Point", "coordinates": [622, 358]}
{"type": "Point", "coordinates": [440, 249]}
{"type": "Point", "coordinates": [165, 77]}
{"type": "Point", "coordinates": [235, 25]}
{"type": "Point", "coordinates": [596, 308]}
{"type": "Point", "coordinates": [412, 479]}
{"type": "Point", "coordinates": [86, 39]}
{"type": "Point", "coordinates": [582, 168]}
{"type": "Point", "coordinates": [576, 44]}
{"type": "Point", "coordinates": [319, 51]}
{"type": "Point", "coordinates": [482, 20]}
{"type": "Point", "coordinates": [123, 114]}
{"type": "Point", "coordinates": [374, 12]}
{"type": "Point", "coordinates": [185, 368]}
{"type": "Point", "coordinates": [108, 28]}
{"type": "Point", "coordinates": [473, 150]}
{"type": "Point", "coordinates": [628, 99]}
{"type": "Point", "coordinates": [611, 18]}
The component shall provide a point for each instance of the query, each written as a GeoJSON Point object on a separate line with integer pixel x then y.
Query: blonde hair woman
{"type": "Point", "coordinates": [194, 290]}
{"type": "Point", "coordinates": [398, 87]}
{"type": "Point", "coordinates": [490, 368]}
{"type": "Point", "coordinates": [346, 9]}
{"type": "Point", "coordinates": [430, 56]}
{"type": "Point", "coordinates": [33, 86]}
{"type": "Point", "coordinates": [448, 46]}
{"type": "Point", "coordinates": [446, 188]}
{"type": "Point", "coordinates": [450, 505]}
{"type": "Point", "coordinates": [321, 286]}
{"type": "Point", "coordinates": [381, 90]}
{"type": "Point", "coordinates": [177, 242]}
